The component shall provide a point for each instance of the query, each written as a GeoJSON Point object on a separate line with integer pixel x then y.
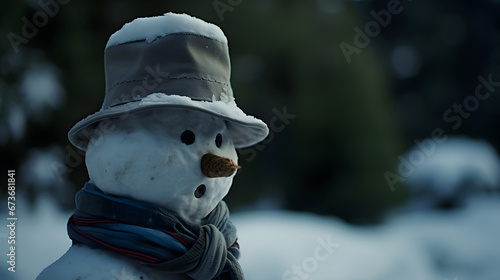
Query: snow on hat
{"type": "Point", "coordinates": [169, 61]}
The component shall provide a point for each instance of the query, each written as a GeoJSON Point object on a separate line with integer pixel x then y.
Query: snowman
{"type": "Point", "coordinates": [161, 157]}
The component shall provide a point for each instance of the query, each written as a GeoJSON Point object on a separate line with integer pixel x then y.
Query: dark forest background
{"type": "Point", "coordinates": [351, 121]}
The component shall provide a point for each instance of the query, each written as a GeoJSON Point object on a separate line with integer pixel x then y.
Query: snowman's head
{"type": "Point", "coordinates": [156, 157]}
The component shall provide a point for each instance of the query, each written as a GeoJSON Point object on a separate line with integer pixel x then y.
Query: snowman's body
{"type": "Point", "coordinates": [153, 157]}
{"type": "Point", "coordinates": [84, 263]}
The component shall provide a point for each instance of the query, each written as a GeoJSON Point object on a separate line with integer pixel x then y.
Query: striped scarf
{"type": "Point", "coordinates": [155, 236]}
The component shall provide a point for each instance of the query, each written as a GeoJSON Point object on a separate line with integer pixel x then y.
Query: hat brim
{"type": "Point", "coordinates": [245, 130]}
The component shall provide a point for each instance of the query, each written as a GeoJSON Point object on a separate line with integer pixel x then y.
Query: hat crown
{"type": "Point", "coordinates": [183, 56]}
{"type": "Point", "coordinates": [184, 64]}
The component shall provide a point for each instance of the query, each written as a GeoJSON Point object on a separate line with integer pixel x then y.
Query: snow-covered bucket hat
{"type": "Point", "coordinates": [169, 61]}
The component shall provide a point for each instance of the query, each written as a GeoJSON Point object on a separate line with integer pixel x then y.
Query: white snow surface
{"type": "Point", "coordinates": [461, 244]}
{"type": "Point", "coordinates": [453, 245]}
{"type": "Point", "coordinates": [151, 28]}
{"type": "Point", "coordinates": [226, 106]}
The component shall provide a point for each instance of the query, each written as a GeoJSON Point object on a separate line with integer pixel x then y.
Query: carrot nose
{"type": "Point", "coordinates": [214, 166]}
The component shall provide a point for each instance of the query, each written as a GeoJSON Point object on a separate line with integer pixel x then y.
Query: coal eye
{"type": "Point", "coordinates": [200, 191]}
{"type": "Point", "coordinates": [187, 137]}
{"type": "Point", "coordinates": [218, 140]}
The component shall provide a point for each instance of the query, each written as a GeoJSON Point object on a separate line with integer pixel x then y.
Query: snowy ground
{"type": "Point", "coordinates": [428, 245]}
{"type": "Point", "coordinates": [460, 244]}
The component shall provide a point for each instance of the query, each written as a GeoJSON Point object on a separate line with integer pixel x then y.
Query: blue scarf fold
{"type": "Point", "coordinates": [155, 236]}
